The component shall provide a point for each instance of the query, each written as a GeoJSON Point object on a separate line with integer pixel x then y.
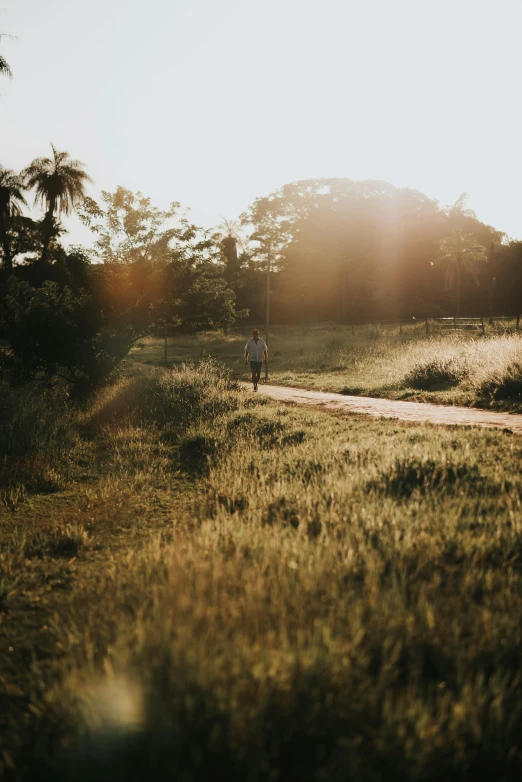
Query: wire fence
{"type": "Point", "coordinates": [421, 326]}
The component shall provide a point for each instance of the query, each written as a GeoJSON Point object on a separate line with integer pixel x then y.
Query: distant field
{"type": "Point", "coordinates": [449, 368]}
{"type": "Point", "coordinates": [199, 584]}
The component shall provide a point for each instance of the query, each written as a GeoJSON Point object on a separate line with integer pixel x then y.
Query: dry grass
{"type": "Point", "coordinates": [244, 591]}
{"type": "Point", "coordinates": [450, 368]}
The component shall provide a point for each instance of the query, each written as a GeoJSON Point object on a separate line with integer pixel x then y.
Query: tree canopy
{"type": "Point", "coordinates": [358, 249]}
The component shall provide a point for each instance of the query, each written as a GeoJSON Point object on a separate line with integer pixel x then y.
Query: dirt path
{"type": "Point", "coordinates": [388, 408]}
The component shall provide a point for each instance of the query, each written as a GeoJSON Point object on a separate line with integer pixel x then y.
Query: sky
{"type": "Point", "coordinates": [216, 102]}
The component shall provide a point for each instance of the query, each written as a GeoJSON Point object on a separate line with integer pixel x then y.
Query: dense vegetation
{"type": "Point", "coordinates": [63, 316]}
{"type": "Point", "coordinates": [360, 251]}
{"type": "Point", "coordinates": [221, 587]}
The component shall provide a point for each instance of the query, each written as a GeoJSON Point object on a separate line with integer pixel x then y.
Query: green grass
{"type": "Point", "coordinates": [228, 588]}
{"type": "Point", "coordinates": [449, 368]}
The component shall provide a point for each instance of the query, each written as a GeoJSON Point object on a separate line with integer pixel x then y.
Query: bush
{"type": "Point", "coordinates": [55, 331]}
{"type": "Point", "coordinates": [173, 400]}
{"type": "Point", "coordinates": [36, 432]}
{"type": "Point", "coordinates": [439, 372]}
{"type": "Point", "coordinates": [506, 384]}
{"type": "Point", "coordinates": [425, 476]}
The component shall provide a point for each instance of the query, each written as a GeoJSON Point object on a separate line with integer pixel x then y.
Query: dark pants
{"type": "Point", "coordinates": [255, 367]}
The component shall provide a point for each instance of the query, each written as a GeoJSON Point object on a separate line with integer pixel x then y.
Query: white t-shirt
{"type": "Point", "coordinates": [256, 349]}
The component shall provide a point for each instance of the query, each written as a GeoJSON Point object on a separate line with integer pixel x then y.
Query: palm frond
{"type": "Point", "coordinates": [5, 70]}
{"type": "Point", "coordinates": [11, 192]}
{"type": "Point", "coordinates": [59, 182]}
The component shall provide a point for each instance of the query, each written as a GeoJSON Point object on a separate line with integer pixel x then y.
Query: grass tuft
{"type": "Point", "coordinates": [426, 475]}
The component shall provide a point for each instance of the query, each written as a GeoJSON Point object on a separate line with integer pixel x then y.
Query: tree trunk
{"type": "Point", "coordinates": [47, 230]}
{"type": "Point", "coordinates": [8, 260]}
{"type": "Point", "coordinates": [458, 286]}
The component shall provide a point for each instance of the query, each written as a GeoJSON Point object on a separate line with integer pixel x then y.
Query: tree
{"type": "Point", "coordinates": [162, 253]}
{"type": "Point", "coordinates": [5, 70]}
{"type": "Point", "coordinates": [461, 253]}
{"type": "Point", "coordinates": [60, 186]}
{"type": "Point", "coordinates": [130, 229]}
{"type": "Point", "coordinates": [230, 237]}
{"type": "Point", "coordinates": [197, 296]}
{"type": "Point", "coordinates": [464, 248]}
{"type": "Point", "coordinates": [53, 331]}
{"type": "Point", "coordinates": [346, 248]}
{"type": "Point", "coordinates": [11, 202]}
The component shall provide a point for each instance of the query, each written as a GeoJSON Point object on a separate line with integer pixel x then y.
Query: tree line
{"type": "Point", "coordinates": [339, 249]}
{"type": "Point", "coordinates": [364, 250]}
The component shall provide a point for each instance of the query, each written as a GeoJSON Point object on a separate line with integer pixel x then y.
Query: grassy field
{"type": "Point", "coordinates": [450, 368]}
{"type": "Point", "coordinates": [198, 584]}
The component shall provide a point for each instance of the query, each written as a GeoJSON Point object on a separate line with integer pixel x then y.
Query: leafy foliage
{"type": "Point", "coordinates": [54, 331]}
{"type": "Point", "coordinates": [144, 241]}
{"type": "Point", "coordinates": [11, 201]}
{"type": "Point", "coordinates": [129, 228]}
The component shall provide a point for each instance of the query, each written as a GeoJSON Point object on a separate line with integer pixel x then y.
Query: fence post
{"type": "Point", "coordinates": [483, 327]}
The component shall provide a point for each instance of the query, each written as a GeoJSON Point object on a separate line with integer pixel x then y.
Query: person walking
{"type": "Point", "coordinates": [257, 350]}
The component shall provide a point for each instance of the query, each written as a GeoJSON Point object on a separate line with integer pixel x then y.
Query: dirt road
{"type": "Point", "coordinates": [387, 408]}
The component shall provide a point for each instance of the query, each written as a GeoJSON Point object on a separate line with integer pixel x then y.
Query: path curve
{"type": "Point", "coordinates": [389, 408]}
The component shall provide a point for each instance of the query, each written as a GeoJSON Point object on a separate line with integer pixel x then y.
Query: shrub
{"type": "Point", "coordinates": [195, 452]}
{"type": "Point", "coordinates": [426, 475]}
{"type": "Point", "coordinates": [36, 432]}
{"type": "Point", "coordinates": [55, 331]}
{"type": "Point", "coordinates": [173, 400]}
{"type": "Point", "coordinates": [441, 371]}
{"type": "Point", "coordinates": [504, 384]}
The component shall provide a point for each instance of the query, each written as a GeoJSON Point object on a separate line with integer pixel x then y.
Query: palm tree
{"type": "Point", "coordinates": [60, 186]}
{"type": "Point", "coordinates": [463, 253]}
{"type": "Point", "coordinates": [229, 235]}
{"type": "Point", "coordinates": [11, 202]}
{"type": "Point", "coordinates": [5, 70]}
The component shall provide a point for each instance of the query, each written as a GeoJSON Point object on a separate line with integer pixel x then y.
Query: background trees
{"type": "Point", "coordinates": [11, 201]}
{"type": "Point", "coordinates": [361, 250]}
{"type": "Point", "coordinates": [77, 314]}
{"type": "Point", "coordinates": [461, 253]}
{"type": "Point", "coordinates": [340, 249]}
{"type": "Point", "coordinates": [130, 229]}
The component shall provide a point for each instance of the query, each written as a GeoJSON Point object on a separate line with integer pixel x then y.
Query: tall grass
{"type": "Point", "coordinates": [454, 367]}
{"type": "Point", "coordinates": [37, 432]}
{"type": "Point", "coordinates": [336, 599]}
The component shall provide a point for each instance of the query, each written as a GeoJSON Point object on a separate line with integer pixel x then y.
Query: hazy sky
{"type": "Point", "coordinates": [215, 102]}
